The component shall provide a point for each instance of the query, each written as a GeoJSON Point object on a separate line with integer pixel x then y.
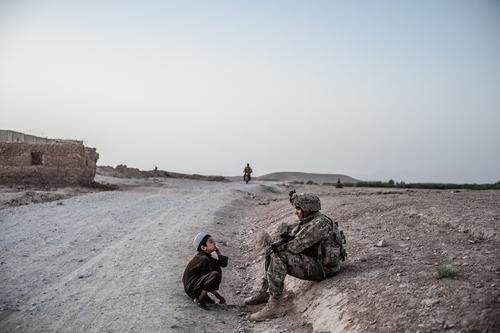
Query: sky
{"type": "Point", "coordinates": [377, 90]}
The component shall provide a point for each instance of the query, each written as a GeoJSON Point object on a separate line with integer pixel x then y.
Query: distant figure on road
{"type": "Point", "coordinates": [247, 173]}
{"type": "Point", "coordinates": [203, 273]}
{"type": "Point", "coordinates": [312, 251]}
{"type": "Point", "coordinates": [156, 168]}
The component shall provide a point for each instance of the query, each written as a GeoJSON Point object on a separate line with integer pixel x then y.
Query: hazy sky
{"type": "Point", "coordinates": [408, 90]}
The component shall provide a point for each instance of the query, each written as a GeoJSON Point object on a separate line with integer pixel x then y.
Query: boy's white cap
{"type": "Point", "coordinates": [198, 238]}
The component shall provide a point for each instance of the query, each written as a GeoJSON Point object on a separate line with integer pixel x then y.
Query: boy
{"type": "Point", "coordinates": [203, 273]}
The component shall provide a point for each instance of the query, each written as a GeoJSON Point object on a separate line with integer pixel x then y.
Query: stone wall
{"type": "Point", "coordinates": [68, 163]}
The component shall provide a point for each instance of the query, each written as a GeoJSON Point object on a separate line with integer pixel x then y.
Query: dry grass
{"type": "Point", "coordinates": [445, 271]}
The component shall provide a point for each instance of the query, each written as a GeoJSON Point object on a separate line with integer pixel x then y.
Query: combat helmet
{"type": "Point", "coordinates": [306, 201]}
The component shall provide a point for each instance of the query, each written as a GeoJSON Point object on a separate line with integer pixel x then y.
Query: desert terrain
{"type": "Point", "coordinates": [112, 261]}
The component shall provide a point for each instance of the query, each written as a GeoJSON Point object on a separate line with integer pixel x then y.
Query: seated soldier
{"type": "Point", "coordinates": [312, 251]}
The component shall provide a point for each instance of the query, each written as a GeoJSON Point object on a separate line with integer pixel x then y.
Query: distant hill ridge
{"type": "Point", "coordinates": [304, 177]}
{"type": "Point", "coordinates": [123, 171]}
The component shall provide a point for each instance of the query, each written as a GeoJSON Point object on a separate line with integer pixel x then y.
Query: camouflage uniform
{"type": "Point", "coordinates": [314, 254]}
{"type": "Point", "coordinates": [312, 251]}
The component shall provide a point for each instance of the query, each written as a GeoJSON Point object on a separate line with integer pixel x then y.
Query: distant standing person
{"type": "Point", "coordinates": [247, 173]}
{"type": "Point", "coordinates": [203, 273]}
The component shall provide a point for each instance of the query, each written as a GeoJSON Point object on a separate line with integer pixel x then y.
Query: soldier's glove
{"type": "Point", "coordinates": [286, 237]}
{"type": "Point", "coordinates": [274, 248]}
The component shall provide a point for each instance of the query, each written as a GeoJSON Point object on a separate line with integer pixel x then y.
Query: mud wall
{"type": "Point", "coordinates": [47, 163]}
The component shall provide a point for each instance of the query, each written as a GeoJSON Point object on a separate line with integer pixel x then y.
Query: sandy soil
{"type": "Point", "coordinates": [113, 261]}
{"type": "Point", "coordinates": [20, 195]}
{"type": "Point", "coordinates": [394, 288]}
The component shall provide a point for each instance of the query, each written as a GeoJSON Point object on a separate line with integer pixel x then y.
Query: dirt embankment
{"type": "Point", "coordinates": [317, 178]}
{"type": "Point", "coordinates": [122, 171]}
{"type": "Point", "coordinates": [398, 241]}
{"type": "Point", "coordinates": [22, 195]}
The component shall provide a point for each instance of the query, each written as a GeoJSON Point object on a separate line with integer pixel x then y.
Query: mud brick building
{"type": "Point", "coordinates": [26, 159]}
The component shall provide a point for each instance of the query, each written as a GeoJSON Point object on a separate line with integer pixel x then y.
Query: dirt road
{"type": "Point", "coordinates": [112, 261]}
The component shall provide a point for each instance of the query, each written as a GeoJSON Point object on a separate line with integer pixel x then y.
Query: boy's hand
{"type": "Point", "coordinates": [221, 299]}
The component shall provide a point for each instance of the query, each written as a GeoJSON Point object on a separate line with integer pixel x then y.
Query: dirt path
{"type": "Point", "coordinates": [112, 261]}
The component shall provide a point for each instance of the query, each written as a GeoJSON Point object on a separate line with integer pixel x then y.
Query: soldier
{"type": "Point", "coordinates": [247, 173]}
{"type": "Point", "coordinates": [312, 251]}
{"type": "Point", "coordinates": [247, 169]}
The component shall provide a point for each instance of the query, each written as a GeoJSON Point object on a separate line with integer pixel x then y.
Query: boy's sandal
{"type": "Point", "coordinates": [201, 303]}
{"type": "Point", "coordinates": [208, 300]}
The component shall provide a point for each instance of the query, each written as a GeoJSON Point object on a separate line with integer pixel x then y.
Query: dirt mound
{"type": "Point", "coordinates": [123, 171]}
{"type": "Point", "coordinates": [34, 197]}
{"type": "Point", "coordinates": [318, 178]}
{"type": "Point", "coordinates": [21, 195]}
{"type": "Point", "coordinates": [418, 260]}
{"type": "Point", "coordinates": [103, 186]}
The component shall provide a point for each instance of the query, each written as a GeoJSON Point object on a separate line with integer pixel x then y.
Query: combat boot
{"type": "Point", "coordinates": [275, 307]}
{"type": "Point", "coordinates": [260, 297]}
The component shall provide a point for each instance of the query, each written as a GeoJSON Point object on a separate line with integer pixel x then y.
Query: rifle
{"type": "Point", "coordinates": [274, 248]}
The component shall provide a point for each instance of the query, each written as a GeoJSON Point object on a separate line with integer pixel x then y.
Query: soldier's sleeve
{"type": "Point", "coordinates": [292, 228]}
{"type": "Point", "coordinates": [308, 236]}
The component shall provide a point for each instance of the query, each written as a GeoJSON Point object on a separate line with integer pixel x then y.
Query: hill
{"type": "Point", "coordinates": [304, 177]}
{"type": "Point", "coordinates": [123, 171]}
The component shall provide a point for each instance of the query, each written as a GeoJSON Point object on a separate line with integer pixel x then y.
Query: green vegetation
{"type": "Point", "coordinates": [297, 182]}
{"type": "Point", "coordinates": [445, 271]}
{"type": "Point", "coordinates": [271, 189]}
{"type": "Point", "coordinates": [438, 186]}
{"type": "Point", "coordinates": [310, 182]}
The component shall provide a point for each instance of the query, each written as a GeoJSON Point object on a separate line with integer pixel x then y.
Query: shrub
{"type": "Point", "coordinates": [271, 189]}
{"type": "Point", "coordinates": [445, 271]}
{"type": "Point", "coordinates": [431, 186]}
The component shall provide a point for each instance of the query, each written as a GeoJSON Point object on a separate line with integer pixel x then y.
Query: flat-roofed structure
{"type": "Point", "coordinates": [27, 159]}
